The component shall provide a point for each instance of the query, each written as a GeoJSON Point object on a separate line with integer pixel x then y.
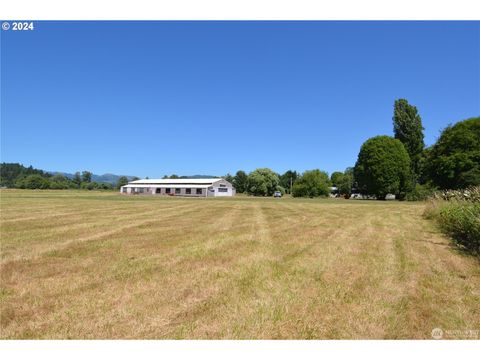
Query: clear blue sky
{"type": "Point", "coordinates": [154, 98]}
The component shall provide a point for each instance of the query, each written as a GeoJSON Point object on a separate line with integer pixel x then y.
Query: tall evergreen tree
{"type": "Point", "coordinates": [407, 127]}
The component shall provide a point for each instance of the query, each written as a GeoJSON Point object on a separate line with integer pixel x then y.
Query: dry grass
{"type": "Point", "coordinates": [99, 265]}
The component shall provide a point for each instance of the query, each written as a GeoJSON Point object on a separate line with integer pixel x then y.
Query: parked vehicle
{"type": "Point", "coordinates": [277, 194]}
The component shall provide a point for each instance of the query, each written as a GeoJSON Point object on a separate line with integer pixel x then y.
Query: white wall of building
{"type": "Point", "coordinates": [218, 188]}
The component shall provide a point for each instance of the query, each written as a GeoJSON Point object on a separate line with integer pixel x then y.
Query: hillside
{"type": "Point", "coordinates": [105, 178]}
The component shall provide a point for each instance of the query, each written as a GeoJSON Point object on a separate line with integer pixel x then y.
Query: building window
{"type": "Point", "coordinates": [223, 185]}
{"type": "Point", "coordinates": [124, 190]}
{"type": "Point", "coordinates": [188, 191]}
{"type": "Point", "coordinates": [222, 190]}
{"type": "Point", "coordinates": [140, 190]}
{"type": "Point", "coordinates": [158, 191]}
{"type": "Point", "coordinates": [167, 191]}
{"type": "Point", "coordinates": [199, 191]}
{"type": "Point", "coordinates": [177, 191]}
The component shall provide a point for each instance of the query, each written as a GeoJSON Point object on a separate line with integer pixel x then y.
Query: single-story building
{"type": "Point", "coordinates": [179, 187]}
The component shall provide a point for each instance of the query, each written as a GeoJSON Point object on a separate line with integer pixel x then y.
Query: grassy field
{"type": "Point", "coordinates": [101, 265]}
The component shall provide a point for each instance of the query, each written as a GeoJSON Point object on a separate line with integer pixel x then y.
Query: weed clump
{"type": "Point", "coordinates": [457, 213]}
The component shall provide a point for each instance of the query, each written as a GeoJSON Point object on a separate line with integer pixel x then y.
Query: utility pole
{"type": "Point", "coordinates": [290, 185]}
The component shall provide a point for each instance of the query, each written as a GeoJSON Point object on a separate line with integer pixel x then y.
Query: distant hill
{"type": "Point", "coordinates": [105, 178]}
{"type": "Point", "coordinates": [11, 172]}
{"type": "Point", "coordinates": [113, 179]}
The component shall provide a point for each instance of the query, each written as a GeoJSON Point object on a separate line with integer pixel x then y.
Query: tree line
{"type": "Point", "coordinates": [14, 175]}
{"type": "Point", "coordinates": [398, 164]}
{"type": "Point", "coordinates": [311, 183]}
{"type": "Point", "coordinates": [403, 166]}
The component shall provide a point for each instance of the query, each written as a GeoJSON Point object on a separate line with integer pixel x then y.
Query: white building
{"type": "Point", "coordinates": [179, 187]}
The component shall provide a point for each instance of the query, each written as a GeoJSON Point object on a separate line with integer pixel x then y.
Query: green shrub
{"type": "Point", "coordinates": [300, 190]}
{"type": "Point", "coordinates": [458, 215]}
{"type": "Point", "coordinates": [461, 221]}
{"type": "Point", "coordinates": [420, 193]}
{"type": "Point", "coordinates": [312, 183]}
{"type": "Point", "coordinates": [34, 181]}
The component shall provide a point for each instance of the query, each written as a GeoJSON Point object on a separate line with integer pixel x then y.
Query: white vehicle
{"type": "Point", "coordinates": [277, 194]}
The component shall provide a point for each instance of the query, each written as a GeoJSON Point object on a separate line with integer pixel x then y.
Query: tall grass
{"type": "Point", "coordinates": [458, 215]}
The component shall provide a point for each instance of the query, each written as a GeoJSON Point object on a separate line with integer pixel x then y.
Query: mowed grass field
{"type": "Point", "coordinates": [100, 265]}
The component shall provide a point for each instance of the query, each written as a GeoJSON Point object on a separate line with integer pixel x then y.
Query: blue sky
{"type": "Point", "coordinates": [154, 98]}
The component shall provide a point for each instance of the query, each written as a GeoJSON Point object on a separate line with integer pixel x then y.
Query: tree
{"type": "Point", "coordinates": [34, 181]}
{"type": "Point", "coordinates": [59, 181]}
{"type": "Point", "coordinates": [345, 183]}
{"type": "Point", "coordinates": [240, 181]}
{"type": "Point", "coordinates": [407, 127]}
{"type": "Point", "coordinates": [383, 167]}
{"type": "Point", "coordinates": [453, 162]}
{"type": "Point", "coordinates": [105, 186]}
{"type": "Point", "coordinates": [336, 178]}
{"type": "Point", "coordinates": [89, 185]}
{"type": "Point", "coordinates": [77, 179]}
{"type": "Point", "coordinates": [86, 176]}
{"type": "Point", "coordinates": [122, 181]}
{"type": "Point", "coordinates": [229, 178]}
{"type": "Point", "coordinates": [262, 182]}
{"type": "Point", "coordinates": [11, 172]}
{"type": "Point", "coordinates": [288, 179]}
{"type": "Point", "coordinates": [312, 183]}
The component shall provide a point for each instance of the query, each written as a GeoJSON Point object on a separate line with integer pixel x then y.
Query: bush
{"type": "Point", "coordinates": [33, 182]}
{"type": "Point", "coordinates": [312, 183]}
{"type": "Point", "coordinates": [471, 194]}
{"type": "Point", "coordinates": [461, 221]}
{"type": "Point", "coordinates": [458, 215]}
{"type": "Point", "coordinates": [300, 190]}
{"type": "Point", "coordinates": [420, 193]}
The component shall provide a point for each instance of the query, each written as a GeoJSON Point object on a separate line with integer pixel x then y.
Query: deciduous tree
{"type": "Point", "coordinates": [262, 182]}
{"type": "Point", "coordinates": [453, 162]}
{"type": "Point", "coordinates": [383, 167]}
{"type": "Point", "coordinates": [312, 183]}
{"type": "Point", "coordinates": [240, 181]}
{"type": "Point", "coordinates": [86, 176]}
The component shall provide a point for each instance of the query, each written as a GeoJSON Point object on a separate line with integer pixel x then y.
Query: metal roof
{"type": "Point", "coordinates": [163, 186]}
{"type": "Point", "coordinates": [175, 181]}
